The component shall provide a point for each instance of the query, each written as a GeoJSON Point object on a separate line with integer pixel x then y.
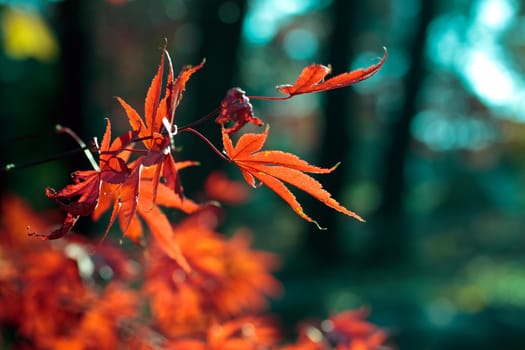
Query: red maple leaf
{"type": "Point", "coordinates": [312, 77]}
{"type": "Point", "coordinates": [129, 204]}
{"type": "Point", "coordinates": [348, 330]}
{"type": "Point", "coordinates": [274, 168]}
{"type": "Point", "coordinates": [242, 333]}
{"type": "Point", "coordinates": [236, 108]}
{"type": "Point", "coordinates": [228, 277]}
{"type": "Point", "coordinates": [157, 130]}
{"type": "Point", "coordinates": [353, 331]}
{"type": "Point", "coordinates": [81, 198]}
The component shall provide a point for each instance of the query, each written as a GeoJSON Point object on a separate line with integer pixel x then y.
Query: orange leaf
{"type": "Point", "coordinates": [179, 85]}
{"type": "Point", "coordinates": [162, 231]}
{"type": "Point", "coordinates": [151, 104]}
{"type": "Point", "coordinates": [113, 168]}
{"type": "Point", "coordinates": [311, 78]}
{"type": "Point", "coordinates": [82, 197]}
{"type": "Point", "coordinates": [275, 168]}
{"type": "Point", "coordinates": [165, 198]}
{"type": "Point", "coordinates": [354, 331]}
{"type": "Point", "coordinates": [159, 115]}
{"type": "Point", "coordinates": [134, 198]}
{"type": "Point", "coordinates": [128, 197]}
{"type": "Point", "coordinates": [219, 187]}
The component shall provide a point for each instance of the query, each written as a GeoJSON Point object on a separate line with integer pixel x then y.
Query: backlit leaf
{"type": "Point", "coordinates": [312, 77]}
{"type": "Point", "coordinates": [275, 168]}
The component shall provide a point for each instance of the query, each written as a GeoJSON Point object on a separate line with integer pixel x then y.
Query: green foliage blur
{"type": "Point", "coordinates": [432, 147]}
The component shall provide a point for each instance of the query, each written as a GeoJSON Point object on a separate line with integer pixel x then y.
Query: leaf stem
{"type": "Point", "coordinates": [270, 98]}
{"type": "Point", "coordinates": [12, 166]}
{"type": "Point", "coordinates": [200, 121]}
{"type": "Point", "coordinates": [61, 129]}
{"type": "Point", "coordinates": [83, 148]}
{"type": "Point", "coordinates": [208, 142]}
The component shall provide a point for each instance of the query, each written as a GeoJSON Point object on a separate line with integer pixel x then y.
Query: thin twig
{"type": "Point", "coordinates": [61, 129]}
{"type": "Point", "coordinates": [200, 121]}
{"type": "Point", "coordinates": [208, 142]}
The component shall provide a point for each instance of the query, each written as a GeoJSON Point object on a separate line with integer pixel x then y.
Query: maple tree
{"type": "Point", "coordinates": [201, 290]}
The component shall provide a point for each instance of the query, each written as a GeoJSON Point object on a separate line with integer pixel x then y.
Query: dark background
{"type": "Point", "coordinates": [432, 147]}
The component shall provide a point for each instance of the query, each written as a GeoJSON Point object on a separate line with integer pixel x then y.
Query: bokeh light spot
{"type": "Point", "coordinates": [300, 44]}
{"type": "Point", "coordinates": [490, 79]}
{"type": "Point", "coordinates": [495, 14]}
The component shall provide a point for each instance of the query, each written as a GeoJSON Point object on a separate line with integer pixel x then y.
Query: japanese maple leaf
{"type": "Point", "coordinates": [81, 198]}
{"type": "Point", "coordinates": [275, 168]}
{"type": "Point", "coordinates": [129, 203]}
{"type": "Point", "coordinates": [101, 322]}
{"type": "Point", "coordinates": [241, 333]}
{"type": "Point", "coordinates": [228, 276]}
{"type": "Point", "coordinates": [312, 77]}
{"type": "Point", "coordinates": [236, 108]}
{"type": "Point", "coordinates": [348, 330]}
{"type": "Point", "coordinates": [156, 130]}
{"type": "Point", "coordinates": [353, 331]}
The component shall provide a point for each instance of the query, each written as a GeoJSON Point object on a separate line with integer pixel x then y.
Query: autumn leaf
{"type": "Point", "coordinates": [220, 188]}
{"type": "Point", "coordinates": [156, 130]}
{"type": "Point", "coordinates": [101, 325]}
{"type": "Point", "coordinates": [228, 278]}
{"type": "Point", "coordinates": [130, 205]}
{"type": "Point", "coordinates": [312, 77]}
{"type": "Point", "coordinates": [275, 168]}
{"type": "Point", "coordinates": [82, 197]}
{"type": "Point", "coordinates": [352, 328]}
{"type": "Point", "coordinates": [236, 108]}
{"type": "Point", "coordinates": [50, 294]}
{"type": "Point", "coordinates": [347, 330]}
{"type": "Point", "coordinates": [61, 231]}
{"type": "Point", "coordinates": [242, 333]}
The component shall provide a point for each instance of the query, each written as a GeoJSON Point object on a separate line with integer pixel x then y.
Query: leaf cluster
{"type": "Point", "coordinates": [199, 289]}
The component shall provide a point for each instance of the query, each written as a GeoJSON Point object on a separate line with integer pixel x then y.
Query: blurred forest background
{"type": "Point", "coordinates": [432, 147]}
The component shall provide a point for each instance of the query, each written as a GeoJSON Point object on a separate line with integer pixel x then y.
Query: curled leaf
{"type": "Point", "coordinates": [236, 108]}
{"type": "Point", "coordinates": [312, 77]}
{"type": "Point", "coordinates": [82, 196]}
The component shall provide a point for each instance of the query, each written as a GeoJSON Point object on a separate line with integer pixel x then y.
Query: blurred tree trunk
{"type": "Point", "coordinates": [336, 141]}
{"type": "Point", "coordinates": [392, 234]}
{"type": "Point", "coordinates": [220, 45]}
{"type": "Point", "coordinates": [72, 107]}
{"type": "Point", "coordinates": [65, 97]}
